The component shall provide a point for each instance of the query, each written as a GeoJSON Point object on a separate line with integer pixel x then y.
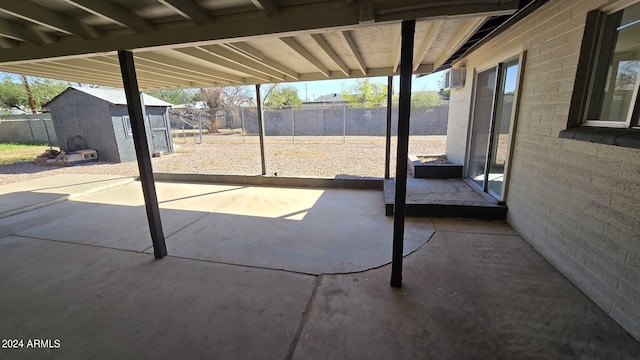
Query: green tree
{"type": "Point", "coordinates": [279, 96]}
{"type": "Point", "coordinates": [364, 94]}
{"type": "Point", "coordinates": [44, 90]}
{"type": "Point", "coordinates": [175, 96]}
{"type": "Point", "coordinates": [425, 99]}
{"type": "Point", "coordinates": [13, 92]}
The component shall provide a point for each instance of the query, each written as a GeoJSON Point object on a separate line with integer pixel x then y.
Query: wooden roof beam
{"type": "Point", "coordinates": [421, 52]}
{"type": "Point", "coordinates": [187, 67]}
{"type": "Point", "coordinates": [397, 52]}
{"type": "Point", "coordinates": [461, 37]}
{"type": "Point", "coordinates": [143, 72]}
{"type": "Point", "coordinates": [332, 54]}
{"type": "Point", "coordinates": [249, 52]}
{"type": "Point", "coordinates": [41, 15]}
{"type": "Point", "coordinates": [269, 7]}
{"type": "Point", "coordinates": [114, 12]}
{"type": "Point", "coordinates": [203, 54]}
{"type": "Point", "coordinates": [24, 33]}
{"type": "Point", "coordinates": [248, 63]}
{"type": "Point", "coordinates": [346, 35]}
{"type": "Point", "coordinates": [295, 46]}
{"type": "Point", "coordinates": [6, 43]}
{"type": "Point", "coordinates": [190, 10]}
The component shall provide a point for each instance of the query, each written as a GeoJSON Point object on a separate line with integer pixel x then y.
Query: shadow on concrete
{"type": "Point", "coordinates": [75, 272]}
{"type": "Point", "coordinates": [310, 231]}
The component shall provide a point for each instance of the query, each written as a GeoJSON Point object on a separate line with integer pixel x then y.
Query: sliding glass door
{"type": "Point", "coordinates": [490, 139]}
{"type": "Point", "coordinates": [482, 115]}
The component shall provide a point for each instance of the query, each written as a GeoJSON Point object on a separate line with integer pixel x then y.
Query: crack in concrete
{"type": "Point", "coordinates": [305, 318]}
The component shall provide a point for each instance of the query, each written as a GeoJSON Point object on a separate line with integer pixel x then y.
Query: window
{"type": "Point", "coordinates": [605, 106]}
{"type": "Point", "coordinates": [614, 95]}
{"type": "Point", "coordinates": [127, 127]}
{"type": "Point", "coordinates": [610, 65]}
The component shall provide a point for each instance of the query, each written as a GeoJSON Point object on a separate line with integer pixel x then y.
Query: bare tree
{"type": "Point", "coordinates": [230, 96]}
{"type": "Point", "coordinates": [627, 74]}
{"type": "Point", "coordinates": [27, 88]}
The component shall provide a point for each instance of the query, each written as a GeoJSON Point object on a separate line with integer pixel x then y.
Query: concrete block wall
{"type": "Point", "coordinates": [577, 203]}
{"type": "Point", "coordinates": [352, 121]}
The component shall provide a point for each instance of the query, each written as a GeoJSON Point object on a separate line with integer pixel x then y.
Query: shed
{"type": "Point", "coordinates": [100, 118]}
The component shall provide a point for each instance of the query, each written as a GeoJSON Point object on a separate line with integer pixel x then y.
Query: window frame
{"type": "Point", "coordinates": [126, 123]}
{"type": "Point", "coordinates": [593, 50]}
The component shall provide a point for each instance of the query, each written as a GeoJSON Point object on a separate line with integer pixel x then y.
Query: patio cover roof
{"type": "Point", "coordinates": [203, 43]}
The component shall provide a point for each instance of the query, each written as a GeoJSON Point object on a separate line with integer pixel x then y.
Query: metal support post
{"type": "Point", "coordinates": [136, 115]}
{"type": "Point", "coordinates": [404, 112]}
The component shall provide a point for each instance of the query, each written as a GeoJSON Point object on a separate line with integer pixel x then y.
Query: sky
{"type": "Point", "coordinates": [310, 90]}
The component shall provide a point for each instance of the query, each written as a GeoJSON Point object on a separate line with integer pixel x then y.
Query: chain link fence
{"type": "Point", "coordinates": [309, 121]}
{"type": "Point", "coordinates": [327, 140]}
{"type": "Point", "coordinates": [23, 137]}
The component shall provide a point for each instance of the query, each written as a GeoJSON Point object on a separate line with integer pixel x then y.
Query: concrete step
{"type": "Point", "coordinates": [444, 198]}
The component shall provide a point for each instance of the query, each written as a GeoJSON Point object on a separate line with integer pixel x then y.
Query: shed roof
{"type": "Point", "coordinates": [113, 96]}
{"type": "Point", "coordinates": [330, 98]}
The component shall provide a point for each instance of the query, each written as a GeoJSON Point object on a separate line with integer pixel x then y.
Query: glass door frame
{"type": "Point", "coordinates": [512, 128]}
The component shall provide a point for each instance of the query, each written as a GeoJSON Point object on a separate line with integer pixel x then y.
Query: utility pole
{"type": "Point", "coordinates": [28, 89]}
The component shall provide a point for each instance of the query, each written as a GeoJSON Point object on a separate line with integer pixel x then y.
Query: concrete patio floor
{"type": "Point", "coordinates": [277, 273]}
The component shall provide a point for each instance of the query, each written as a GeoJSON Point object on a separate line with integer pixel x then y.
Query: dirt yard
{"type": "Point", "coordinates": [309, 156]}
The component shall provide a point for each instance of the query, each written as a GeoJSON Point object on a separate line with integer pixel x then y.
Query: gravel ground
{"type": "Point", "coordinates": [358, 156]}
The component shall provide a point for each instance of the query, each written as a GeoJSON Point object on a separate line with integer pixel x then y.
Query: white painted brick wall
{"type": "Point", "coordinates": [577, 203]}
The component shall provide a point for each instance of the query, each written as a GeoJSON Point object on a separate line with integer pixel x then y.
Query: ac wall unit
{"type": "Point", "coordinates": [455, 78]}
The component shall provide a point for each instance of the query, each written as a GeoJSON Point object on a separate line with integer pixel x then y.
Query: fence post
{"type": "Point", "coordinates": [200, 125]}
{"type": "Point", "coordinates": [33, 138]}
{"type": "Point", "coordinates": [344, 124]}
{"type": "Point", "coordinates": [184, 133]}
{"type": "Point", "coordinates": [46, 129]}
{"type": "Point", "coordinates": [242, 123]}
{"type": "Point", "coordinates": [293, 126]}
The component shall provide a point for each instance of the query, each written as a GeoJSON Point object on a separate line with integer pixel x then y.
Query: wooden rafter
{"type": "Point", "coordinates": [332, 54]}
{"type": "Point", "coordinates": [174, 73]}
{"type": "Point", "coordinates": [269, 7]}
{"type": "Point", "coordinates": [463, 35]}
{"type": "Point", "coordinates": [189, 9]}
{"type": "Point", "coordinates": [346, 35]}
{"type": "Point", "coordinates": [24, 33]}
{"type": "Point", "coordinates": [249, 52]}
{"type": "Point", "coordinates": [6, 43]}
{"type": "Point", "coordinates": [188, 67]}
{"type": "Point", "coordinates": [421, 52]}
{"type": "Point", "coordinates": [202, 54]}
{"type": "Point", "coordinates": [295, 46]}
{"type": "Point", "coordinates": [230, 55]}
{"type": "Point", "coordinates": [114, 12]}
{"type": "Point", "coordinates": [43, 16]}
{"type": "Point", "coordinates": [151, 74]}
{"type": "Point", "coordinates": [397, 53]}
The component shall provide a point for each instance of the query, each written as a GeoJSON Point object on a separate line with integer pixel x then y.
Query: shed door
{"type": "Point", "coordinates": [160, 133]}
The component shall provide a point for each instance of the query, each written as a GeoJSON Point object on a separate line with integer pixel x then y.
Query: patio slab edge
{"type": "Point", "coordinates": [277, 181]}
{"type": "Point", "coordinates": [63, 197]}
